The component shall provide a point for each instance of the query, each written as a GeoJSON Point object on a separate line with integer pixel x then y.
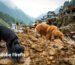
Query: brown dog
{"type": "Point", "coordinates": [57, 34]}
{"type": "Point", "coordinates": [53, 32]}
{"type": "Point", "coordinates": [42, 28]}
{"type": "Point", "coordinates": [50, 30]}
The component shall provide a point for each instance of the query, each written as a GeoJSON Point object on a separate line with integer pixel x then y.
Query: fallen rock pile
{"type": "Point", "coordinates": [40, 51]}
{"type": "Point", "coordinates": [45, 52]}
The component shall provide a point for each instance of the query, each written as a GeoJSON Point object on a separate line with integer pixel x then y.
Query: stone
{"type": "Point", "coordinates": [27, 53]}
{"type": "Point", "coordinates": [6, 62]}
{"type": "Point", "coordinates": [52, 52]}
{"type": "Point", "coordinates": [51, 58]}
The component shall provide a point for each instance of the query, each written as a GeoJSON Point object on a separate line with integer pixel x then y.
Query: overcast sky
{"type": "Point", "coordinates": [34, 8]}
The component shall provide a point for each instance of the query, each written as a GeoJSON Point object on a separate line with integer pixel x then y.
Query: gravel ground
{"type": "Point", "coordinates": [40, 51]}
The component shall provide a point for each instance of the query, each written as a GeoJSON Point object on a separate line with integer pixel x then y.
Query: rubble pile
{"type": "Point", "coordinates": [45, 52]}
{"type": "Point", "coordinates": [40, 51]}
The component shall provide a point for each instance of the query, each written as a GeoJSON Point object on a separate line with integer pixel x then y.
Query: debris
{"type": "Point", "coordinates": [6, 62]}
{"type": "Point", "coordinates": [40, 51]}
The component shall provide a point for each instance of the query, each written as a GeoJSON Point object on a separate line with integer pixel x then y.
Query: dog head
{"type": "Point", "coordinates": [16, 50]}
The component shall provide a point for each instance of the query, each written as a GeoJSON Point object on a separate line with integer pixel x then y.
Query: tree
{"type": "Point", "coordinates": [17, 23]}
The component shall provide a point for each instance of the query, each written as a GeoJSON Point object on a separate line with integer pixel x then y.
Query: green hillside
{"type": "Point", "coordinates": [2, 22]}
{"type": "Point", "coordinates": [16, 13]}
{"type": "Point", "coordinates": [7, 19]}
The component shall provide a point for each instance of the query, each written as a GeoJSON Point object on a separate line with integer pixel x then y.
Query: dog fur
{"type": "Point", "coordinates": [42, 28]}
{"type": "Point", "coordinates": [53, 32]}
{"type": "Point", "coordinates": [12, 41]}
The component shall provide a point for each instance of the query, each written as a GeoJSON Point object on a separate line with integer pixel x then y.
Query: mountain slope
{"type": "Point", "coordinates": [16, 13]}
{"type": "Point", "coordinates": [8, 19]}
{"type": "Point", "coordinates": [2, 22]}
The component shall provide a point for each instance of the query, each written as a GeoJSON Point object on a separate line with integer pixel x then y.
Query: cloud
{"type": "Point", "coordinates": [8, 3]}
{"type": "Point", "coordinates": [35, 8]}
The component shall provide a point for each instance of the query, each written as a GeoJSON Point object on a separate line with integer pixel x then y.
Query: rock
{"type": "Point", "coordinates": [36, 47]}
{"type": "Point", "coordinates": [27, 61]}
{"type": "Point", "coordinates": [29, 42]}
{"type": "Point", "coordinates": [44, 53]}
{"type": "Point", "coordinates": [23, 43]}
{"type": "Point", "coordinates": [58, 43]}
{"type": "Point", "coordinates": [6, 62]}
{"type": "Point", "coordinates": [72, 59]}
{"type": "Point", "coordinates": [27, 53]}
{"type": "Point", "coordinates": [49, 62]}
{"type": "Point", "coordinates": [32, 38]}
{"type": "Point", "coordinates": [51, 58]}
{"type": "Point", "coordinates": [22, 60]}
{"type": "Point", "coordinates": [40, 51]}
{"type": "Point", "coordinates": [52, 52]}
{"type": "Point", "coordinates": [53, 61]}
{"type": "Point", "coordinates": [2, 44]}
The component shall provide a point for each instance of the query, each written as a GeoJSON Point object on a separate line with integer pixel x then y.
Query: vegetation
{"type": "Point", "coordinates": [7, 20]}
{"type": "Point", "coordinates": [2, 22]}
